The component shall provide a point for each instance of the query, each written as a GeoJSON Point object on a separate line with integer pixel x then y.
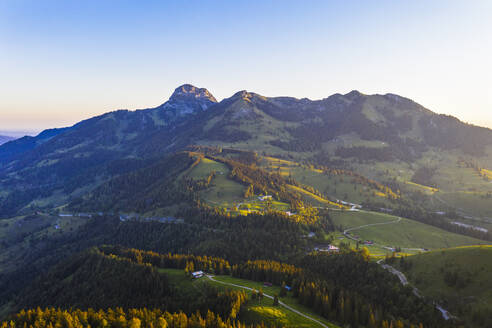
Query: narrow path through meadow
{"type": "Point", "coordinates": [271, 297]}
{"type": "Point", "coordinates": [345, 232]}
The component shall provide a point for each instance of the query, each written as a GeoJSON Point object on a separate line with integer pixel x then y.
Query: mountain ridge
{"type": "Point", "coordinates": [5, 139]}
{"type": "Point", "coordinates": [337, 129]}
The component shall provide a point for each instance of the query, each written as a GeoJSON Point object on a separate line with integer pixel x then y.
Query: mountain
{"type": "Point", "coordinates": [19, 146]}
{"type": "Point", "coordinates": [4, 139]}
{"type": "Point", "coordinates": [307, 126]}
{"type": "Point", "coordinates": [70, 162]}
{"type": "Point", "coordinates": [236, 185]}
{"type": "Point", "coordinates": [188, 99]}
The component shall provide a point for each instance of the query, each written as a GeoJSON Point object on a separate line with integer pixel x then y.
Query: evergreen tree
{"type": "Point", "coordinates": [275, 300]}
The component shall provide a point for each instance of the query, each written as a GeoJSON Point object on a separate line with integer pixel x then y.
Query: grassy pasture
{"type": "Point", "coordinates": [405, 233]}
{"type": "Point", "coordinates": [452, 177]}
{"type": "Point", "coordinates": [315, 199]}
{"type": "Point", "coordinates": [472, 203]}
{"type": "Point", "coordinates": [228, 193]}
{"type": "Point", "coordinates": [337, 187]}
{"type": "Point", "coordinates": [257, 312]}
{"type": "Point", "coordinates": [205, 167]}
{"type": "Point", "coordinates": [223, 191]}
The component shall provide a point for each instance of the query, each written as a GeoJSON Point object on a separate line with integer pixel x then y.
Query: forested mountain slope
{"type": "Point", "coordinates": [250, 180]}
{"type": "Point", "coordinates": [111, 276]}
{"type": "Point", "coordinates": [68, 162]}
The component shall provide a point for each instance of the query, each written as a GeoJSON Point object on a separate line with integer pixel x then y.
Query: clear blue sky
{"type": "Point", "coordinates": [63, 61]}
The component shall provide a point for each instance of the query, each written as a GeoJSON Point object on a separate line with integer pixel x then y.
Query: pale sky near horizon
{"type": "Point", "coordinates": [64, 61]}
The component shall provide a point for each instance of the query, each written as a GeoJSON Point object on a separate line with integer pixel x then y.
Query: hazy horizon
{"type": "Point", "coordinates": [63, 62]}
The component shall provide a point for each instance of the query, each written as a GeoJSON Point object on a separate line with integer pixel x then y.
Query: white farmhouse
{"type": "Point", "coordinates": [197, 274]}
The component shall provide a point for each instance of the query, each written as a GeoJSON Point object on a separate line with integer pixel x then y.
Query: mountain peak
{"type": "Point", "coordinates": [354, 94]}
{"type": "Point", "coordinates": [188, 92]}
{"type": "Point", "coordinates": [188, 99]}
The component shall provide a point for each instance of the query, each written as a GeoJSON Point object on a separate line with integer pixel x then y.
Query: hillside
{"type": "Point", "coordinates": [242, 183]}
{"type": "Point", "coordinates": [5, 139]}
{"type": "Point", "coordinates": [387, 233]}
{"type": "Point", "coordinates": [110, 275]}
{"type": "Point", "coordinates": [93, 279]}
{"type": "Point", "coordinates": [459, 278]}
{"type": "Point", "coordinates": [352, 131]}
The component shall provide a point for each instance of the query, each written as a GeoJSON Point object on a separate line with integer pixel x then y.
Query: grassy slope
{"type": "Point", "coordinates": [223, 190]}
{"type": "Point", "coordinates": [406, 233]}
{"type": "Point", "coordinates": [351, 140]}
{"type": "Point", "coordinates": [254, 311]}
{"type": "Point", "coordinates": [339, 187]}
{"type": "Point", "coordinates": [470, 203]}
{"type": "Point", "coordinates": [228, 193]}
{"type": "Point", "coordinates": [314, 199]}
{"type": "Point", "coordinates": [427, 273]}
{"type": "Point", "coordinates": [462, 186]}
{"type": "Point", "coordinates": [263, 128]}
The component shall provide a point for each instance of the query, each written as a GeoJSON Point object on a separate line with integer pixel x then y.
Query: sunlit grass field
{"type": "Point", "coordinates": [254, 311]}
{"type": "Point", "coordinates": [405, 233]}
{"type": "Point", "coordinates": [471, 203]}
{"type": "Point", "coordinates": [473, 264]}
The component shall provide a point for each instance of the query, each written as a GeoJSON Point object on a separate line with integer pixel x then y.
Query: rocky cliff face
{"type": "Point", "coordinates": [188, 99]}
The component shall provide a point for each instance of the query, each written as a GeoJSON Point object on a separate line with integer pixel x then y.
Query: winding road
{"type": "Point", "coordinates": [271, 297]}
{"type": "Point", "coordinates": [397, 273]}
{"type": "Point", "coordinates": [345, 232]}
{"type": "Point", "coordinates": [403, 279]}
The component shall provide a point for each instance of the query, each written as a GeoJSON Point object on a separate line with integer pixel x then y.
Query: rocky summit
{"type": "Point", "coordinates": [188, 99]}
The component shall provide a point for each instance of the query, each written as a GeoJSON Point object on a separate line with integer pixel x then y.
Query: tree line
{"type": "Point", "coordinates": [118, 318]}
{"type": "Point", "coordinates": [100, 278]}
{"type": "Point", "coordinates": [176, 261]}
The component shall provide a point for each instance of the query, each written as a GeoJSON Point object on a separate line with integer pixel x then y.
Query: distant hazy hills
{"type": "Point", "coordinates": [340, 127]}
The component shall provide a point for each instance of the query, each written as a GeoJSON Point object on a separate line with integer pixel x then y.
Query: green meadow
{"type": "Point", "coordinates": [403, 233]}
{"type": "Point", "coordinates": [458, 278]}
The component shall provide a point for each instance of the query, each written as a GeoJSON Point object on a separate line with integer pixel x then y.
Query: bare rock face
{"type": "Point", "coordinates": [188, 99]}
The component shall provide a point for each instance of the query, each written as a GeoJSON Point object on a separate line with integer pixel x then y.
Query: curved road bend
{"type": "Point", "coordinates": [271, 297]}
{"type": "Point", "coordinates": [403, 279]}
{"type": "Point", "coordinates": [345, 232]}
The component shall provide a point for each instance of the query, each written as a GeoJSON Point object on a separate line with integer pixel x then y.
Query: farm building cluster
{"type": "Point", "coordinates": [327, 248]}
